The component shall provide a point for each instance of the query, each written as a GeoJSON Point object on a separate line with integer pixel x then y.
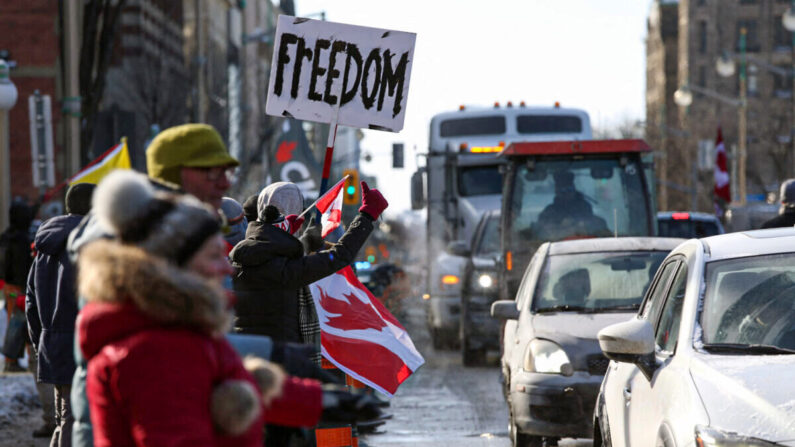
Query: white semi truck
{"type": "Point", "coordinates": [461, 180]}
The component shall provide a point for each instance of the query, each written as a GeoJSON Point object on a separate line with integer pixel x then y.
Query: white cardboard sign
{"type": "Point", "coordinates": [319, 66]}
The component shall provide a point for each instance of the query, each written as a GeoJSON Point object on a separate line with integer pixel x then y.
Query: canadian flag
{"type": "Point", "coordinates": [330, 206]}
{"type": "Point", "coordinates": [361, 337]}
{"type": "Point", "coordinates": [721, 172]}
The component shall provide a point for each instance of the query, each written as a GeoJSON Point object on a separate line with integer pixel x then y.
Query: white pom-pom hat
{"type": "Point", "coordinates": [166, 224]}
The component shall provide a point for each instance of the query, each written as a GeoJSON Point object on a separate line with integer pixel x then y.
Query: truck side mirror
{"type": "Point", "coordinates": [417, 190]}
{"type": "Point", "coordinates": [458, 248]}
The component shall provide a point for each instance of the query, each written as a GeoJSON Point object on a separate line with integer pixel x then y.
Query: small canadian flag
{"type": "Point", "coordinates": [330, 205]}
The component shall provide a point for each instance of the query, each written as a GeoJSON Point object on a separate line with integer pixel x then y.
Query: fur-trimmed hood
{"type": "Point", "coordinates": [129, 290]}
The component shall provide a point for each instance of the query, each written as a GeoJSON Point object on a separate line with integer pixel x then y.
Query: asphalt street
{"type": "Point", "coordinates": [444, 403]}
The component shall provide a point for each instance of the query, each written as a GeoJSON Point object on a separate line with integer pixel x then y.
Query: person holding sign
{"type": "Point", "coordinates": [272, 268]}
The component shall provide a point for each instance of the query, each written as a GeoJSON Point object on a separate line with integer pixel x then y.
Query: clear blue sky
{"type": "Point", "coordinates": [584, 53]}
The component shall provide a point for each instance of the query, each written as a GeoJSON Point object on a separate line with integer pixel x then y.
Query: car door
{"type": "Point", "coordinates": [650, 398]}
{"type": "Point", "coordinates": [617, 381]}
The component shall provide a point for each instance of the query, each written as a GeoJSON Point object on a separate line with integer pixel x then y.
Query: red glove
{"type": "Point", "coordinates": [373, 203]}
{"type": "Point", "coordinates": [295, 222]}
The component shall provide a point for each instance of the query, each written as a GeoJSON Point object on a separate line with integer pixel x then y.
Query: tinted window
{"type": "Point", "coordinates": [668, 330]}
{"type": "Point", "coordinates": [597, 281]}
{"type": "Point", "coordinates": [461, 127]}
{"type": "Point", "coordinates": [548, 124]}
{"type": "Point", "coordinates": [479, 180]}
{"type": "Point", "coordinates": [651, 308]}
{"type": "Point", "coordinates": [490, 240]}
{"type": "Point", "coordinates": [687, 228]}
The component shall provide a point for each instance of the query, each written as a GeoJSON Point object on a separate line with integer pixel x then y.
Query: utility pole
{"type": "Point", "coordinates": [72, 100]}
{"type": "Point", "coordinates": [663, 159]}
{"type": "Point", "coordinates": [741, 124]}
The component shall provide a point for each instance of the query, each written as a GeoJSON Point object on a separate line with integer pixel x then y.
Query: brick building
{"type": "Point", "coordinates": [685, 40]}
{"type": "Point", "coordinates": [30, 36]}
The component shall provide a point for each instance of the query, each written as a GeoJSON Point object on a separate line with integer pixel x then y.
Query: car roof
{"type": "Point", "coordinates": [694, 215]}
{"type": "Point", "coordinates": [614, 244]}
{"type": "Point", "coordinates": [750, 243]}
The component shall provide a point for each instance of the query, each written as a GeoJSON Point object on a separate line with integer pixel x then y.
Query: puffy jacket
{"type": "Point", "coordinates": [51, 303]}
{"type": "Point", "coordinates": [271, 270]}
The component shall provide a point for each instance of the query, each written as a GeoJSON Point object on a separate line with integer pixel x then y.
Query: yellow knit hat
{"type": "Point", "coordinates": [188, 145]}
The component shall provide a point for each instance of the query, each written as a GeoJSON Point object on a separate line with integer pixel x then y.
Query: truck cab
{"type": "Point", "coordinates": [566, 190]}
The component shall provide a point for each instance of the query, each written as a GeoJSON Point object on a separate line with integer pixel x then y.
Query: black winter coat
{"type": "Point", "coordinates": [271, 270]}
{"type": "Point", "coordinates": [51, 301]}
{"type": "Point", "coordinates": [785, 219]}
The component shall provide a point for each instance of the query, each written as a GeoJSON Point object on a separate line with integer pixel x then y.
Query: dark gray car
{"type": "Point", "coordinates": [552, 365]}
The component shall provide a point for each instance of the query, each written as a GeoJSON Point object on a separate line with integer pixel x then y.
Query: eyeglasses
{"type": "Point", "coordinates": [215, 173]}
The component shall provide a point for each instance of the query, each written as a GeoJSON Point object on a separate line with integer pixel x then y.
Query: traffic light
{"type": "Point", "coordinates": [351, 194]}
{"type": "Point", "coordinates": [397, 155]}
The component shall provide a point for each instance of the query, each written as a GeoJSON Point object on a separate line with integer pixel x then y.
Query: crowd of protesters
{"type": "Point", "coordinates": [146, 333]}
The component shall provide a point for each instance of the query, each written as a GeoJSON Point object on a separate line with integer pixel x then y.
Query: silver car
{"type": "Point", "coordinates": [552, 365]}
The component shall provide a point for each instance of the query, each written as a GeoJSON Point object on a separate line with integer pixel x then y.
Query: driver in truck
{"type": "Point", "coordinates": [570, 215]}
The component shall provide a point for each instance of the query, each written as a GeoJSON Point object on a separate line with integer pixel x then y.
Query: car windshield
{"type": "Point", "coordinates": [687, 228]}
{"type": "Point", "coordinates": [479, 180]}
{"type": "Point", "coordinates": [595, 281]}
{"type": "Point", "coordinates": [750, 302]}
{"type": "Point", "coordinates": [555, 200]}
{"type": "Point", "coordinates": [490, 242]}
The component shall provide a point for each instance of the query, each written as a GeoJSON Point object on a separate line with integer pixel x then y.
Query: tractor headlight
{"type": "Point", "coordinates": [544, 356]}
{"type": "Point", "coordinates": [713, 437]}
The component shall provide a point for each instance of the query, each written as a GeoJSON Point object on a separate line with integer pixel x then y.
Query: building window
{"type": "Point", "coordinates": [782, 38]}
{"type": "Point", "coordinates": [782, 84]}
{"type": "Point", "coordinates": [751, 35]}
{"type": "Point", "coordinates": [702, 37]}
{"type": "Point", "coordinates": [753, 80]}
{"type": "Point", "coordinates": [702, 76]}
{"type": "Point", "coordinates": [748, 2]}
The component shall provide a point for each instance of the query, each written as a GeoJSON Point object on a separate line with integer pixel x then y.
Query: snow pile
{"type": "Point", "coordinates": [18, 399]}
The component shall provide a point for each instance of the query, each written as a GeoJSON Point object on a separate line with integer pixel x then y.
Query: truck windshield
{"type": "Point", "coordinates": [490, 241]}
{"type": "Point", "coordinates": [479, 180]}
{"type": "Point", "coordinates": [554, 200]}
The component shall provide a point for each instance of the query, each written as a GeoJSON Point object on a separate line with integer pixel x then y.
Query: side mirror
{"type": "Point", "coordinates": [630, 342]}
{"type": "Point", "coordinates": [504, 310]}
{"type": "Point", "coordinates": [417, 190]}
{"type": "Point", "coordinates": [458, 248]}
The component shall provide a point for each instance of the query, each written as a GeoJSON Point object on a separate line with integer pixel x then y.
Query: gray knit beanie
{"type": "Point", "coordinates": [236, 220]}
{"type": "Point", "coordinates": [285, 196]}
{"type": "Point", "coordinates": [166, 224]}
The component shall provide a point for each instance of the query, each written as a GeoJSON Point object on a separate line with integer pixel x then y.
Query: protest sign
{"type": "Point", "coordinates": [336, 73]}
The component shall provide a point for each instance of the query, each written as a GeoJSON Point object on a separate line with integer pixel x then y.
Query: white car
{"type": "Point", "coordinates": [710, 358]}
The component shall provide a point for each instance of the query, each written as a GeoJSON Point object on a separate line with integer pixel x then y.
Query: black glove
{"type": "Point", "coordinates": [311, 238]}
{"type": "Point", "coordinates": [295, 358]}
{"type": "Point", "coordinates": [341, 405]}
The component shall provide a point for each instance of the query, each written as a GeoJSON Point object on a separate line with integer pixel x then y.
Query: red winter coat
{"type": "Point", "coordinates": [152, 337]}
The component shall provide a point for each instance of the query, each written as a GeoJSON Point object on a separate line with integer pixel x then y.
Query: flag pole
{"type": "Point", "coordinates": [332, 136]}
{"type": "Point", "coordinates": [317, 200]}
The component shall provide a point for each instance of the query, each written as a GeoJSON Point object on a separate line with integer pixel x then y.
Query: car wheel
{"type": "Point", "coordinates": [519, 439]}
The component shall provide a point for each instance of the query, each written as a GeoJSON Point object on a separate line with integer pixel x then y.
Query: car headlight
{"type": "Point", "coordinates": [544, 356]}
{"type": "Point", "coordinates": [713, 437]}
{"type": "Point", "coordinates": [482, 280]}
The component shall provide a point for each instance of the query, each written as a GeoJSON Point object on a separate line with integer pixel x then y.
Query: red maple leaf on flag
{"type": "Point", "coordinates": [285, 151]}
{"type": "Point", "coordinates": [353, 314]}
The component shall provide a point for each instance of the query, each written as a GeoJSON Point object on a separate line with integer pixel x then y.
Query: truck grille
{"type": "Point", "coordinates": [597, 365]}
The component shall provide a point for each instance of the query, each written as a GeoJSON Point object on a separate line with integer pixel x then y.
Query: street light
{"type": "Point", "coordinates": [8, 97]}
{"type": "Point", "coordinates": [683, 96]}
{"type": "Point", "coordinates": [725, 65]}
